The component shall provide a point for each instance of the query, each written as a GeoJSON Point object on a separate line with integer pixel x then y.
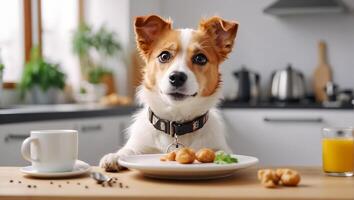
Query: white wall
{"type": "Point", "coordinates": [139, 8]}
{"type": "Point", "coordinates": [119, 15]}
{"type": "Point", "coordinates": [11, 38]}
{"type": "Point", "coordinates": [115, 14]}
{"type": "Point", "coordinates": [59, 21]}
{"type": "Point", "coordinates": [265, 43]}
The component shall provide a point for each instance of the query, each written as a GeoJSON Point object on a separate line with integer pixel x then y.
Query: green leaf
{"type": "Point", "coordinates": [96, 74]}
{"type": "Point", "coordinates": [106, 42]}
{"type": "Point", "coordinates": [224, 158]}
{"type": "Point", "coordinates": [82, 90]}
{"type": "Point", "coordinates": [42, 73]}
{"type": "Point", "coordinates": [82, 40]}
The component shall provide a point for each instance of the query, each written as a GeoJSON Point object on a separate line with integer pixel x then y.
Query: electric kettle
{"type": "Point", "coordinates": [287, 85]}
{"type": "Point", "coordinates": [247, 85]}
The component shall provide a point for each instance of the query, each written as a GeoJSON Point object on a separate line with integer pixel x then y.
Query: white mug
{"type": "Point", "coordinates": [51, 150]}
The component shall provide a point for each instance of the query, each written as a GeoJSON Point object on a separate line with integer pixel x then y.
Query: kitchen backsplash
{"type": "Point", "coordinates": [265, 43]}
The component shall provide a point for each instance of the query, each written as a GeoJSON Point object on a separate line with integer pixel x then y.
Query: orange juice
{"type": "Point", "coordinates": [338, 154]}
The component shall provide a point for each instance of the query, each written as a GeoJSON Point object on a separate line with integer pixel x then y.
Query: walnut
{"type": "Point", "coordinates": [288, 177]}
{"type": "Point", "coordinates": [185, 156]}
{"type": "Point", "coordinates": [271, 178]}
{"type": "Point", "coordinates": [268, 178]}
{"type": "Point", "coordinates": [269, 184]}
{"type": "Point", "coordinates": [205, 155]}
{"type": "Point", "coordinates": [171, 156]}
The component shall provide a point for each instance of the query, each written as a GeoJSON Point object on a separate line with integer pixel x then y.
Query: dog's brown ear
{"type": "Point", "coordinates": [222, 32]}
{"type": "Point", "coordinates": [148, 29]}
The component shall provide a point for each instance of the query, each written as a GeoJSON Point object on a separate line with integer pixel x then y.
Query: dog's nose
{"type": "Point", "coordinates": [177, 79]}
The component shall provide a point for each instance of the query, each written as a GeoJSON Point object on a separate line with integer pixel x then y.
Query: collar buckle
{"type": "Point", "coordinates": [171, 128]}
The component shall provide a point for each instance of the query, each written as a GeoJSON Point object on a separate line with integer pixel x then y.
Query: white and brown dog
{"type": "Point", "coordinates": [181, 87]}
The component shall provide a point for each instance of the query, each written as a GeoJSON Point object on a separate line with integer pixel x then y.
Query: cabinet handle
{"type": "Point", "coordinates": [91, 128]}
{"type": "Point", "coordinates": [15, 137]}
{"type": "Point", "coordinates": [293, 120]}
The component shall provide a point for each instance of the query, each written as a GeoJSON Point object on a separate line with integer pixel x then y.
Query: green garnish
{"type": "Point", "coordinates": [224, 158]}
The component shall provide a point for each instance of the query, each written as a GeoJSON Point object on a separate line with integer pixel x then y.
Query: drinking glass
{"type": "Point", "coordinates": [338, 151]}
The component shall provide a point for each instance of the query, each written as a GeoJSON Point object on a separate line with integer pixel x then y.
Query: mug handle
{"type": "Point", "coordinates": [25, 149]}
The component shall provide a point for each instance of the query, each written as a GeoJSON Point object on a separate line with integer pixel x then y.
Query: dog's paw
{"type": "Point", "coordinates": [110, 162]}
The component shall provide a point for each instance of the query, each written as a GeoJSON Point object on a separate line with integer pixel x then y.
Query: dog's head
{"type": "Point", "coordinates": [183, 63]}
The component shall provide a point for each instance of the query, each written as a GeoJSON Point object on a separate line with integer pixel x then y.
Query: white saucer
{"type": "Point", "coordinates": [80, 168]}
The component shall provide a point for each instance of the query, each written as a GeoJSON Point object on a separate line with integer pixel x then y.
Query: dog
{"type": "Point", "coordinates": [180, 89]}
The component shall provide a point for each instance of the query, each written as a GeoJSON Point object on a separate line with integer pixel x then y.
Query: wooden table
{"type": "Point", "coordinates": [132, 185]}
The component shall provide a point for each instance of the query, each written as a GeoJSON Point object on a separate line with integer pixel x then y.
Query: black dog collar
{"type": "Point", "coordinates": [174, 128]}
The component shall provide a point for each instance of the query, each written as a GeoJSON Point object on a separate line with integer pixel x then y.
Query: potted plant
{"type": "Point", "coordinates": [41, 79]}
{"type": "Point", "coordinates": [95, 70]}
{"type": "Point", "coordinates": [97, 87]}
{"type": "Point", "coordinates": [82, 44]}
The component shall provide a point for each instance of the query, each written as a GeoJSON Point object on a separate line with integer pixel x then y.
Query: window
{"type": "Point", "coordinates": [11, 38]}
{"type": "Point", "coordinates": [59, 20]}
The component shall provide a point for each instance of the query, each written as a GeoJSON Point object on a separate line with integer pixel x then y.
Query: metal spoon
{"type": "Point", "coordinates": [100, 178]}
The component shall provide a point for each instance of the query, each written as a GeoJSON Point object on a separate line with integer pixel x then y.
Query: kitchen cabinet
{"type": "Point", "coordinates": [282, 136]}
{"type": "Point", "coordinates": [100, 136]}
{"type": "Point", "coordinates": [97, 136]}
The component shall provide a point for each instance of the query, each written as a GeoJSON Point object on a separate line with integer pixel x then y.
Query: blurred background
{"type": "Point", "coordinates": [91, 39]}
{"type": "Point", "coordinates": [73, 64]}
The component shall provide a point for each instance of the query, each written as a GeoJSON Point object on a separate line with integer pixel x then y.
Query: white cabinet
{"type": "Point", "coordinates": [282, 136]}
{"type": "Point", "coordinates": [97, 136]}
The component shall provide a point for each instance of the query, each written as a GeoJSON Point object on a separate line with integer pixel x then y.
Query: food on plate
{"type": "Point", "coordinates": [169, 157]}
{"type": "Point", "coordinates": [271, 178]}
{"type": "Point", "coordinates": [185, 156]}
{"type": "Point", "coordinates": [268, 178]}
{"type": "Point", "coordinates": [288, 177]}
{"type": "Point", "coordinates": [205, 155]}
{"type": "Point", "coordinates": [223, 158]}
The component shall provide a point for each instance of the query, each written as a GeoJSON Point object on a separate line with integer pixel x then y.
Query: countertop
{"type": "Point", "coordinates": [132, 185]}
{"type": "Point", "coordinates": [28, 113]}
{"type": "Point", "coordinates": [283, 105]}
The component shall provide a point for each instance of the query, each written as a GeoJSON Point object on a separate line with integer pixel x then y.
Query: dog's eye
{"type": "Point", "coordinates": [200, 59]}
{"type": "Point", "coordinates": [164, 57]}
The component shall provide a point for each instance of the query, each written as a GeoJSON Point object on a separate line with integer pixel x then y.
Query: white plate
{"type": "Point", "coordinates": [151, 166]}
{"type": "Point", "coordinates": [80, 168]}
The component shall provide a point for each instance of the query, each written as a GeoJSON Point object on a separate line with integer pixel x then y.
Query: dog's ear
{"type": "Point", "coordinates": [222, 32]}
{"type": "Point", "coordinates": [147, 30]}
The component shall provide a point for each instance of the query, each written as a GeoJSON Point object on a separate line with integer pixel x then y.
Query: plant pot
{"type": "Point", "coordinates": [94, 92]}
{"type": "Point", "coordinates": [108, 80]}
{"type": "Point", "coordinates": [44, 97]}
{"type": "Point", "coordinates": [10, 95]}
{"type": "Point", "coordinates": [99, 90]}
